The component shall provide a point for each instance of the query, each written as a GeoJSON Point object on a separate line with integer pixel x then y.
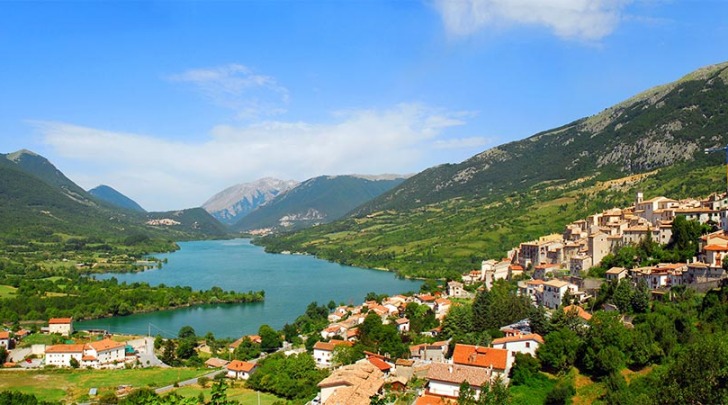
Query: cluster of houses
{"type": "Point", "coordinates": [556, 262]}
{"type": "Point", "coordinates": [102, 353]}
{"type": "Point", "coordinates": [355, 384]}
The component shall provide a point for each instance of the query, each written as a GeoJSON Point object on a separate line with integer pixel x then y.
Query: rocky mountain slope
{"type": "Point", "coordinates": [446, 219]}
{"type": "Point", "coordinates": [315, 201]}
{"type": "Point", "coordinates": [233, 203]}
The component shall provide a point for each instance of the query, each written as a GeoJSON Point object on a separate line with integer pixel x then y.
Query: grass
{"type": "Point", "coordinates": [243, 395]}
{"type": "Point", "coordinates": [534, 393]}
{"type": "Point", "coordinates": [73, 385]}
{"type": "Point", "coordinates": [588, 391]}
{"type": "Point", "coordinates": [7, 291]}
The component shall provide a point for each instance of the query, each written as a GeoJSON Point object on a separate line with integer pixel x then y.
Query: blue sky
{"type": "Point", "coordinates": [170, 102]}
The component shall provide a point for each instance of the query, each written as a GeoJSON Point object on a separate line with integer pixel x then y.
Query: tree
{"type": "Point", "coordinates": [558, 353]}
{"type": "Point", "coordinates": [481, 310]}
{"type": "Point", "coordinates": [466, 395]}
{"type": "Point", "coordinates": [270, 339]}
{"type": "Point", "coordinates": [74, 363]}
{"type": "Point", "coordinates": [640, 298]}
{"type": "Point", "coordinates": [623, 296]}
{"type": "Point", "coordinates": [185, 349]}
{"type": "Point", "coordinates": [332, 305]}
{"type": "Point", "coordinates": [538, 321]}
{"type": "Point", "coordinates": [605, 345]}
{"type": "Point", "coordinates": [344, 355]}
{"type": "Point", "coordinates": [495, 393]}
{"type": "Point", "coordinates": [168, 354]}
{"type": "Point", "coordinates": [187, 332]}
{"type": "Point", "coordinates": [246, 350]}
{"type": "Point", "coordinates": [525, 368]}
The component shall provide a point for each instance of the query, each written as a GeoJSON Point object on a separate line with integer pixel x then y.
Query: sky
{"type": "Point", "coordinates": [170, 102]}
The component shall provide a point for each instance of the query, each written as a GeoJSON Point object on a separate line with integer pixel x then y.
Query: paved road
{"type": "Point", "coordinates": [147, 356]}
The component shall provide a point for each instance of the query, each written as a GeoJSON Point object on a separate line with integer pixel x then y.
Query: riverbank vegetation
{"type": "Point", "coordinates": [40, 295]}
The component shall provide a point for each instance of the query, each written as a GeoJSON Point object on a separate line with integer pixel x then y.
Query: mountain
{"type": "Point", "coordinates": [233, 203]}
{"type": "Point", "coordinates": [115, 198]}
{"type": "Point", "coordinates": [192, 221]}
{"type": "Point", "coordinates": [39, 203]}
{"type": "Point", "coordinates": [443, 221]}
{"type": "Point", "coordinates": [317, 200]}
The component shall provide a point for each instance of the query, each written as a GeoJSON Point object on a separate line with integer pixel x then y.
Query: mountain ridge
{"type": "Point", "coordinates": [114, 197]}
{"type": "Point", "coordinates": [235, 202]}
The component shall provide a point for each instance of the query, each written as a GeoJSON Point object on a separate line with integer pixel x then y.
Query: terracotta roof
{"type": "Point", "coordinates": [616, 270]}
{"type": "Point", "coordinates": [428, 399]}
{"type": "Point", "coordinates": [405, 362]}
{"type": "Point", "coordinates": [426, 297]}
{"type": "Point", "coordinates": [515, 267]}
{"type": "Point", "coordinates": [556, 283]}
{"type": "Point", "coordinates": [579, 311]}
{"type": "Point", "coordinates": [59, 321]}
{"type": "Point", "coordinates": [4, 335]}
{"type": "Point", "coordinates": [357, 383]}
{"type": "Point", "coordinates": [518, 338]}
{"type": "Point", "coordinates": [88, 358]}
{"type": "Point", "coordinates": [457, 373]}
{"type": "Point", "coordinates": [380, 364]}
{"type": "Point", "coordinates": [402, 321]}
{"type": "Point", "coordinates": [106, 344]}
{"type": "Point", "coordinates": [244, 366]}
{"type": "Point", "coordinates": [330, 345]}
{"type": "Point", "coordinates": [253, 338]}
{"type": "Point", "coordinates": [716, 248]}
{"type": "Point", "coordinates": [65, 349]}
{"type": "Point", "coordinates": [480, 356]}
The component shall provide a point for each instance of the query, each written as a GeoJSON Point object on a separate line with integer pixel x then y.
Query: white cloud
{"type": "Point", "coordinates": [239, 88]}
{"type": "Point", "coordinates": [462, 143]}
{"type": "Point", "coordinates": [163, 174]}
{"type": "Point", "coordinates": [574, 19]}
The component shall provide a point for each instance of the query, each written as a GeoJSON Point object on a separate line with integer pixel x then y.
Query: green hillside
{"type": "Point", "coordinates": [319, 200]}
{"type": "Point", "coordinates": [115, 198]}
{"type": "Point", "coordinates": [446, 219]}
{"type": "Point", "coordinates": [40, 204]}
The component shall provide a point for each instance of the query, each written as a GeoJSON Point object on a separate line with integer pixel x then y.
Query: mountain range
{"type": "Point", "coordinates": [315, 201]}
{"type": "Point", "coordinates": [449, 217]}
{"type": "Point", "coordinates": [233, 203]}
{"type": "Point", "coordinates": [40, 203]}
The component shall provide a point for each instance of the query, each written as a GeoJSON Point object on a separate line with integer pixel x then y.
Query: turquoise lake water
{"type": "Point", "coordinates": [290, 282]}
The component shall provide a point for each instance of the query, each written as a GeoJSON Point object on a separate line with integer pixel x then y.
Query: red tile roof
{"type": "Point", "coordinates": [579, 311]}
{"type": "Point", "coordinates": [4, 335]}
{"type": "Point", "coordinates": [380, 364]}
{"type": "Point", "coordinates": [518, 338]}
{"type": "Point", "coordinates": [65, 349]}
{"type": "Point", "coordinates": [106, 344]}
{"type": "Point", "coordinates": [457, 373]}
{"type": "Point", "coordinates": [716, 248]}
{"type": "Point", "coordinates": [480, 356]}
{"type": "Point", "coordinates": [430, 400]}
{"type": "Point", "coordinates": [330, 345]}
{"type": "Point", "coordinates": [58, 321]}
{"type": "Point", "coordinates": [244, 366]}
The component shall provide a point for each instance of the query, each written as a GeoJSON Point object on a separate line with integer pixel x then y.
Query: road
{"type": "Point", "coordinates": [147, 356]}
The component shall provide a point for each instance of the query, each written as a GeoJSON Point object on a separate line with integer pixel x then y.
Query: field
{"type": "Point", "coordinates": [7, 291]}
{"type": "Point", "coordinates": [74, 385]}
{"type": "Point", "coordinates": [243, 395]}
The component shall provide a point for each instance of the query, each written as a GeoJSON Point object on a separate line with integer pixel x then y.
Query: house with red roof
{"type": "Point", "coordinates": [444, 380]}
{"type": "Point", "coordinates": [99, 354]}
{"type": "Point", "coordinates": [403, 325]}
{"type": "Point", "coordinates": [486, 357]}
{"type": "Point", "coordinates": [519, 343]}
{"type": "Point", "coordinates": [62, 326]}
{"type": "Point", "coordinates": [323, 352]}
{"type": "Point", "coordinates": [240, 370]}
{"type": "Point", "coordinates": [5, 339]}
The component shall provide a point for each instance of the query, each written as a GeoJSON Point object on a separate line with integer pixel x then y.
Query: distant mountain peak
{"type": "Point", "coordinates": [235, 202]}
{"type": "Point", "coordinates": [18, 154]}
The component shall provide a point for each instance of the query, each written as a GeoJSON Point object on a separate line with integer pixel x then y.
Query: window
{"type": "Point", "coordinates": [528, 344]}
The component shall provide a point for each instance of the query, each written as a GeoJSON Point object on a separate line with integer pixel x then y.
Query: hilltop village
{"type": "Point", "coordinates": [466, 340]}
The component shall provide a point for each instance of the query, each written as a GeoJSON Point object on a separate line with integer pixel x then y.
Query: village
{"type": "Point", "coordinates": [550, 271]}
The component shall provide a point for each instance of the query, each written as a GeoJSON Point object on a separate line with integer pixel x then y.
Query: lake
{"type": "Point", "coordinates": [290, 282]}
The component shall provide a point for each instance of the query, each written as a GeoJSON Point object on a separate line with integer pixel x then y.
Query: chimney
{"type": "Point", "coordinates": [640, 197]}
{"type": "Point", "coordinates": [450, 368]}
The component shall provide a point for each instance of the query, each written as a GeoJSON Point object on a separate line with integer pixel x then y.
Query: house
{"type": "Point", "coordinates": [61, 355]}
{"type": "Point", "coordinates": [97, 354]}
{"type": "Point", "coordinates": [553, 293]}
{"type": "Point", "coordinates": [542, 270]}
{"type": "Point", "coordinates": [497, 360]}
{"type": "Point", "coordinates": [615, 274]}
{"type": "Point", "coordinates": [354, 384]}
{"type": "Point", "coordinates": [442, 307]}
{"type": "Point", "coordinates": [456, 289]}
{"type": "Point", "coordinates": [403, 325]}
{"type": "Point", "coordinates": [240, 370]}
{"type": "Point", "coordinates": [527, 344]}
{"type": "Point", "coordinates": [428, 399]}
{"type": "Point", "coordinates": [382, 365]}
{"type": "Point", "coordinates": [214, 362]}
{"type": "Point", "coordinates": [323, 352]}
{"type": "Point", "coordinates": [532, 289]}
{"type": "Point", "coordinates": [253, 338]}
{"type": "Point", "coordinates": [5, 339]}
{"type": "Point", "coordinates": [62, 326]}
{"type": "Point", "coordinates": [334, 330]}
{"type": "Point", "coordinates": [445, 379]}
{"type": "Point", "coordinates": [103, 352]}
{"type": "Point", "coordinates": [433, 352]}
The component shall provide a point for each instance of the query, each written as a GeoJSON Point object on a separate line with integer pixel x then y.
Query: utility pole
{"type": "Point", "coordinates": [721, 149]}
